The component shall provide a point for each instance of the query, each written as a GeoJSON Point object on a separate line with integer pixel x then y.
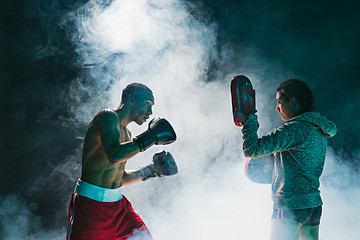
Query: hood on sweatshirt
{"type": "Point", "coordinates": [327, 127]}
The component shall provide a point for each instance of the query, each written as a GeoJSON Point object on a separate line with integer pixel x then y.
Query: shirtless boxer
{"type": "Point", "coordinates": [97, 209]}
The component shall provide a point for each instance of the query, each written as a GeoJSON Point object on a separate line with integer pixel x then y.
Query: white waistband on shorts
{"type": "Point", "coordinates": [97, 193]}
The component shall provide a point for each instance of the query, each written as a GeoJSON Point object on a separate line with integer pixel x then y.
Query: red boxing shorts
{"type": "Point", "coordinates": [98, 213]}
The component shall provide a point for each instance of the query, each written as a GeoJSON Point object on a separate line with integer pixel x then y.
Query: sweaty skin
{"type": "Point", "coordinates": [108, 144]}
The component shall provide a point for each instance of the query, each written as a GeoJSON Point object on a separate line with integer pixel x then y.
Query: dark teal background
{"type": "Point", "coordinates": [317, 40]}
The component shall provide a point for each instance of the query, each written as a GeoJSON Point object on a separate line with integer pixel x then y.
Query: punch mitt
{"type": "Point", "coordinates": [243, 99]}
{"type": "Point", "coordinates": [260, 170]}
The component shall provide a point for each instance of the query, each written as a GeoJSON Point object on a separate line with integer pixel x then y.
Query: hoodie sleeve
{"type": "Point", "coordinates": [283, 138]}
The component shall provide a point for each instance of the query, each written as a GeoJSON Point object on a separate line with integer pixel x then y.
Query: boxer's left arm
{"type": "Point", "coordinates": [116, 151]}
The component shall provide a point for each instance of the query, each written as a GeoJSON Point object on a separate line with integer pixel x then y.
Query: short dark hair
{"type": "Point", "coordinates": [300, 91]}
{"type": "Point", "coordinates": [132, 89]}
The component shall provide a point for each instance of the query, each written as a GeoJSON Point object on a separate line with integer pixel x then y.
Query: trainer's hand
{"type": "Point", "coordinates": [243, 99]}
{"type": "Point", "coordinates": [159, 132]}
{"type": "Point", "coordinates": [163, 165]}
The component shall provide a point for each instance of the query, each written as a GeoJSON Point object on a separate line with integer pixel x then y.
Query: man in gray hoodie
{"type": "Point", "coordinates": [299, 146]}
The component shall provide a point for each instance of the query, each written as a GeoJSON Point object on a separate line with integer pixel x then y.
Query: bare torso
{"type": "Point", "coordinates": [96, 168]}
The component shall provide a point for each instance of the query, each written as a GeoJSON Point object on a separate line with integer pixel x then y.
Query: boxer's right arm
{"type": "Point", "coordinates": [110, 138]}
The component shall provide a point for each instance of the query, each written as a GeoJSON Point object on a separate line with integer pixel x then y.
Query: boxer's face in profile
{"type": "Point", "coordinates": [285, 107]}
{"type": "Point", "coordinates": [142, 107]}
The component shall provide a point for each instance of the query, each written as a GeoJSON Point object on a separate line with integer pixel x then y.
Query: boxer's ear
{"type": "Point", "coordinates": [131, 99]}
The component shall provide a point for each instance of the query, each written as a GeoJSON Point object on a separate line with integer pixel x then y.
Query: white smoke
{"type": "Point", "coordinates": [160, 44]}
{"type": "Point", "coordinates": [341, 193]}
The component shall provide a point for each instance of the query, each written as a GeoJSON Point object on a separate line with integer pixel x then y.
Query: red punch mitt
{"type": "Point", "coordinates": [260, 170]}
{"type": "Point", "coordinates": [243, 99]}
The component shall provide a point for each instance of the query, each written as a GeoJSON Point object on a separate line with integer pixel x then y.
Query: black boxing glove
{"type": "Point", "coordinates": [243, 99]}
{"type": "Point", "coordinates": [163, 165]}
{"type": "Point", "coordinates": [159, 132]}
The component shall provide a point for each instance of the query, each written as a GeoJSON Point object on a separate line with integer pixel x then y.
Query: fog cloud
{"type": "Point", "coordinates": [180, 51]}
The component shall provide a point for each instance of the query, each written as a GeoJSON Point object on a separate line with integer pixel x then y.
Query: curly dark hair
{"type": "Point", "coordinates": [300, 91]}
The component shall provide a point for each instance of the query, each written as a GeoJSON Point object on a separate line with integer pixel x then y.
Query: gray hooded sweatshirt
{"type": "Point", "coordinates": [299, 146]}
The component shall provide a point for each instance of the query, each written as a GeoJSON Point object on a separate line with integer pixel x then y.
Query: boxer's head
{"type": "Point", "coordinates": [140, 99]}
{"type": "Point", "coordinates": [293, 97]}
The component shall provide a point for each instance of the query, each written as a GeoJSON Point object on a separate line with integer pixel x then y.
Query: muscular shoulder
{"type": "Point", "coordinates": [107, 117]}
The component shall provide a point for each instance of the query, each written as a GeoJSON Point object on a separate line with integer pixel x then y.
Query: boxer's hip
{"type": "Point", "coordinates": [97, 193]}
